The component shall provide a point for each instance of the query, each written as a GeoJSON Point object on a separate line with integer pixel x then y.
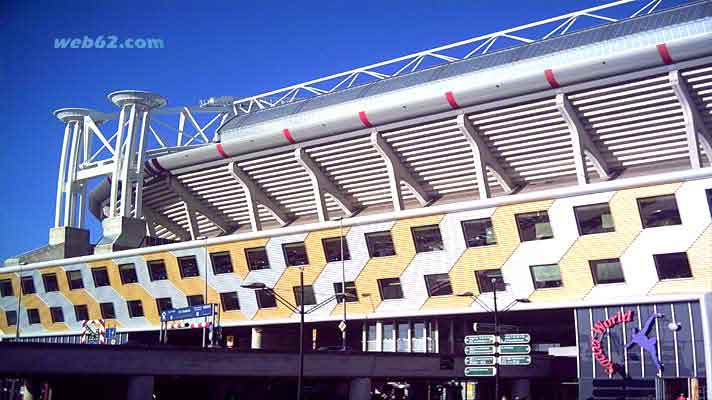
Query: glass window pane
{"type": "Point", "coordinates": [135, 308]}
{"type": "Point", "coordinates": [157, 270]}
{"type": "Point", "coordinates": [81, 312]}
{"type": "Point", "coordinates": [28, 285]}
{"type": "Point", "coordinates": [188, 267]}
{"type": "Point", "coordinates": [101, 276]}
{"type": "Point", "coordinates": [230, 301]}
{"type": "Point", "coordinates": [164, 303]}
{"type": "Point", "coordinates": [534, 226]}
{"type": "Point", "coordinates": [33, 316]}
{"type": "Point", "coordinates": [222, 264]}
{"type": "Point", "coordinates": [388, 342]}
{"type": "Point", "coordinates": [427, 238]}
{"type": "Point", "coordinates": [546, 276]}
{"type": "Point", "coordinates": [309, 298]}
{"type": "Point", "coordinates": [371, 340]}
{"type": "Point", "coordinates": [295, 254]}
{"type": "Point", "coordinates": [50, 282]}
{"type": "Point", "coordinates": [659, 211]}
{"type": "Point", "coordinates": [438, 284]}
{"type": "Point", "coordinates": [672, 266]}
{"type": "Point", "coordinates": [403, 337]}
{"type": "Point", "coordinates": [127, 272]}
{"type": "Point", "coordinates": [606, 271]}
{"type": "Point", "coordinates": [479, 232]}
{"type": "Point", "coordinates": [332, 249]}
{"type": "Point", "coordinates": [484, 280]}
{"type": "Point", "coordinates": [195, 300]}
{"type": "Point", "coordinates": [351, 293]}
{"type": "Point", "coordinates": [595, 218]}
{"type": "Point", "coordinates": [107, 310]}
{"type": "Point", "coordinates": [419, 345]}
{"type": "Point", "coordinates": [257, 258]}
{"type": "Point", "coordinates": [57, 314]}
{"type": "Point", "coordinates": [6, 288]}
{"type": "Point", "coordinates": [380, 244]}
{"type": "Point", "coordinates": [74, 279]}
{"type": "Point", "coordinates": [11, 317]}
{"type": "Point", "coordinates": [390, 288]}
{"type": "Point", "coordinates": [265, 298]}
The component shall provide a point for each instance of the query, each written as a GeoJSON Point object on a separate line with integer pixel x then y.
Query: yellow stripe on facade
{"type": "Point", "coordinates": [32, 301]}
{"type": "Point", "coordinates": [131, 291]}
{"type": "Point", "coordinates": [76, 296]}
{"type": "Point", "coordinates": [700, 257]}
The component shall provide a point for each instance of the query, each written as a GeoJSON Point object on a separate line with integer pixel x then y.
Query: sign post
{"type": "Point", "coordinates": [484, 352]}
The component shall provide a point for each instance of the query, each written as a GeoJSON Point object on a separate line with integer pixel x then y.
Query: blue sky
{"type": "Point", "coordinates": [212, 48]}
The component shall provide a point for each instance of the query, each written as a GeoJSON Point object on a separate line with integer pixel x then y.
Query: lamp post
{"type": "Point", "coordinates": [205, 293]}
{"type": "Point", "coordinates": [19, 304]}
{"type": "Point", "coordinates": [343, 282]}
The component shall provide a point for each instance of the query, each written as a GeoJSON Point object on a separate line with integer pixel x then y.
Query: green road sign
{"type": "Point", "coordinates": [480, 371]}
{"type": "Point", "coordinates": [480, 360]}
{"type": "Point", "coordinates": [514, 349]}
{"type": "Point", "coordinates": [515, 338]}
{"type": "Point", "coordinates": [479, 350]}
{"type": "Point", "coordinates": [514, 360]}
{"type": "Point", "coordinates": [474, 340]}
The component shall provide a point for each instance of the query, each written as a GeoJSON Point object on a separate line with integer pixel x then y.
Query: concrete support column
{"type": "Point", "coordinates": [360, 389]}
{"type": "Point", "coordinates": [140, 388]}
{"type": "Point", "coordinates": [256, 338]}
{"type": "Point", "coordinates": [520, 387]}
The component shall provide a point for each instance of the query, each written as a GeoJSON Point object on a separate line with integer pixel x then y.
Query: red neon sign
{"type": "Point", "coordinates": [598, 330]}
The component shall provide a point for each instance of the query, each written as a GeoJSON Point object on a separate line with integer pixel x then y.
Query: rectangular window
{"type": "Point", "coordinates": [332, 249]}
{"type": "Point", "coordinates": [594, 218]}
{"type": "Point", "coordinates": [534, 226]}
{"type": "Point", "coordinates": [222, 264]}
{"type": "Point", "coordinates": [164, 303]}
{"type": "Point", "coordinates": [50, 282]}
{"type": "Point", "coordinates": [371, 337]}
{"type": "Point", "coordinates": [57, 314]}
{"type": "Point", "coordinates": [438, 285]}
{"type": "Point", "coordinates": [672, 266]}
{"type": "Point", "coordinates": [403, 341]}
{"type": "Point", "coordinates": [74, 278]}
{"type": "Point", "coordinates": [188, 267]}
{"type": "Point", "coordinates": [135, 308]}
{"type": "Point", "coordinates": [28, 285]}
{"type": "Point", "coordinates": [388, 336]}
{"type": "Point", "coordinates": [265, 298]}
{"type": "Point", "coordinates": [127, 272]}
{"type": "Point", "coordinates": [6, 288]}
{"type": "Point", "coordinates": [195, 300]}
{"type": "Point", "coordinates": [606, 271]}
{"type": "Point", "coordinates": [390, 288]}
{"type": "Point", "coordinates": [230, 301]}
{"type": "Point", "coordinates": [11, 317]}
{"type": "Point", "coordinates": [659, 211]}
{"type": "Point", "coordinates": [380, 244]}
{"type": "Point", "coordinates": [107, 310]}
{"type": "Point", "coordinates": [485, 283]}
{"type": "Point", "coordinates": [546, 276]}
{"type": "Point", "coordinates": [427, 238]}
{"type": "Point", "coordinates": [479, 232]}
{"type": "Point", "coordinates": [295, 254]}
{"type": "Point", "coordinates": [351, 293]}
{"type": "Point", "coordinates": [256, 258]}
{"type": "Point", "coordinates": [157, 270]}
{"type": "Point", "coordinates": [33, 316]}
{"type": "Point", "coordinates": [81, 312]}
{"type": "Point", "coordinates": [309, 298]}
{"type": "Point", "coordinates": [101, 277]}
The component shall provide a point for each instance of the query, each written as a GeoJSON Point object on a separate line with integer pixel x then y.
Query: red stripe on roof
{"type": "Point", "coordinates": [451, 100]}
{"type": "Point", "coordinates": [221, 150]}
{"type": "Point", "coordinates": [549, 75]}
{"type": "Point", "coordinates": [288, 135]}
{"type": "Point", "coordinates": [364, 119]}
{"type": "Point", "coordinates": [664, 54]}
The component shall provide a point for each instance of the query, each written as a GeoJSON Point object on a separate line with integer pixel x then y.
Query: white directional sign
{"type": "Point", "coordinates": [474, 340]}
{"type": "Point", "coordinates": [514, 349]}
{"type": "Point", "coordinates": [515, 338]}
{"type": "Point", "coordinates": [514, 360]}
{"type": "Point", "coordinates": [480, 371]}
{"type": "Point", "coordinates": [479, 350]}
{"type": "Point", "coordinates": [480, 360]}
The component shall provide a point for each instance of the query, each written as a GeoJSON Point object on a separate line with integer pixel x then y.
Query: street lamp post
{"type": "Point", "coordinates": [343, 282]}
{"type": "Point", "coordinates": [205, 293]}
{"type": "Point", "coordinates": [19, 303]}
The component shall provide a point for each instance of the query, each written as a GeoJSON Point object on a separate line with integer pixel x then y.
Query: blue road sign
{"type": "Point", "coordinates": [174, 314]}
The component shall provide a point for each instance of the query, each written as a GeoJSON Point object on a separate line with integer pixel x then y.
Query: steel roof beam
{"type": "Point", "coordinates": [193, 226]}
{"type": "Point", "coordinates": [322, 184]}
{"type": "Point", "coordinates": [582, 144]}
{"type": "Point", "coordinates": [199, 205]}
{"type": "Point", "coordinates": [254, 195]}
{"type": "Point", "coordinates": [695, 129]}
{"type": "Point", "coordinates": [483, 159]}
{"type": "Point", "coordinates": [154, 217]}
{"type": "Point", "coordinates": [397, 173]}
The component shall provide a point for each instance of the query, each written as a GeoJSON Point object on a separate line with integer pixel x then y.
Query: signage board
{"type": "Point", "coordinates": [480, 360]}
{"type": "Point", "coordinates": [515, 338]}
{"type": "Point", "coordinates": [514, 360]}
{"type": "Point", "coordinates": [479, 350]}
{"type": "Point", "coordinates": [515, 349]}
{"type": "Point", "coordinates": [174, 314]}
{"type": "Point", "coordinates": [474, 340]}
{"type": "Point", "coordinates": [480, 371]}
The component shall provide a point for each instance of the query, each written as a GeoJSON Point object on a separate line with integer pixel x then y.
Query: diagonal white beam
{"type": "Point", "coordinates": [193, 227]}
{"type": "Point", "coordinates": [483, 160]}
{"type": "Point", "coordinates": [695, 129]}
{"type": "Point", "coordinates": [254, 195]}
{"type": "Point", "coordinates": [322, 184]}
{"type": "Point", "coordinates": [397, 173]}
{"type": "Point", "coordinates": [158, 218]}
{"type": "Point", "coordinates": [199, 205]}
{"type": "Point", "coordinates": [582, 143]}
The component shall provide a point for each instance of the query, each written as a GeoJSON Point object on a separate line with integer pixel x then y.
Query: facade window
{"type": "Point", "coordinates": [222, 264]}
{"type": "Point", "coordinates": [438, 285]}
{"type": "Point", "coordinates": [606, 271]}
{"type": "Point", "coordinates": [479, 232]}
{"type": "Point", "coordinates": [188, 267]}
{"type": "Point", "coordinates": [195, 300]}
{"type": "Point", "coordinates": [295, 254]}
{"type": "Point", "coordinates": [127, 272]}
{"type": "Point", "coordinates": [709, 199]}
{"type": "Point", "coordinates": [107, 310]}
{"type": "Point", "coordinates": [380, 244]}
{"type": "Point", "coordinates": [659, 211]}
{"type": "Point", "coordinates": [332, 249]}
{"type": "Point", "coordinates": [164, 303]}
{"type": "Point", "coordinates": [390, 288]}
{"type": "Point", "coordinates": [28, 285]}
{"type": "Point", "coordinates": [401, 336]}
{"type": "Point", "coordinates": [135, 308]}
{"type": "Point", "coordinates": [309, 297]}
{"type": "Point", "coordinates": [81, 312]}
{"type": "Point", "coordinates": [594, 218]}
{"type": "Point", "coordinates": [57, 314]}
{"type": "Point", "coordinates": [230, 301]}
{"type": "Point", "coordinates": [484, 280]}
{"type": "Point", "coordinates": [157, 270]}
{"type": "Point", "coordinates": [74, 278]}
{"type": "Point", "coordinates": [33, 316]}
{"type": "Point", "coordinates": [427, 238]}
{"type": "Point", "coordinates": [546, 276]}
{"type": "Point", "coordinates": [6, 288]}
{"type": "Point", "coordinates": [11, 317]}
{"type": "Point", "coordinates": [351, 293]}
{"type": "Point", "coordinates": [672, 266]}
{"type": "Point", "coordinates": [387, 333]}
{"type": "Point", "coordinates": [403, 340]}
{"type": "Point", "coordinates": [534, 226]}
{"type": "Point", "coordinates": [257, 258]}
{"type": "Point", "coordinates": [371, 337]}
{"type": "Point", "coordinates": [50, 282]}
{"type": "Point", "coordinates": [265, 298]}
{"type": "Point", "coordinates": [101, 277]}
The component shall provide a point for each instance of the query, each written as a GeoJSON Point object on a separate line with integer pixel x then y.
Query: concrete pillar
{"type": "Point", "coordinates": [140, 388]}
{"type": "Point", "coordinates": [520, 387]}
{"type": "Point", "coordinates": [256, 338]}
{"type": "Point", "coordinates": [360, 389]}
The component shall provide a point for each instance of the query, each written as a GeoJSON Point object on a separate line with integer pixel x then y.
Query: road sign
{"type": "Point", "coordinates": [515, 338]}
{"type": "Point", "coordinates": [514, 360]}
{"type": "Point", "coordinates": [480, 360]}
{"type": "Point", "coordinates": [480, 339]}
{"type": "Point", "coordinates": [514, 349]}
{"type": "Point", "coordinates": [342, 326]}
{"type": "Point", "coordinates": [479, 350]}
{"type": "Point", "coordinates": [174, 314]}
{"type": "Point", "coordinates": [480, 371]}
{"type": "Point", "coordinates": [489, 327]}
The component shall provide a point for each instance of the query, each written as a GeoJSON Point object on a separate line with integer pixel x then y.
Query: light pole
{"type": "Point", "coordinates": [205, 293]}
{"type": "Point", "coordinates": [19, 304]}
{"type": "Point", "coordinates": [343, 282]}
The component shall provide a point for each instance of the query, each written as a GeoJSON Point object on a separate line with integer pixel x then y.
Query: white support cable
{"type": "Point", "coordinates": [254, 195]}
{"type": "Point", "coordinates": [695, 129]}
{"type": "Point", "coordinates": [197, 204]}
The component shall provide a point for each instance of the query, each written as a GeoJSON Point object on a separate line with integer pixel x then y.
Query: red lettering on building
{"type": "Point", "coordinates": [598, 330]}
